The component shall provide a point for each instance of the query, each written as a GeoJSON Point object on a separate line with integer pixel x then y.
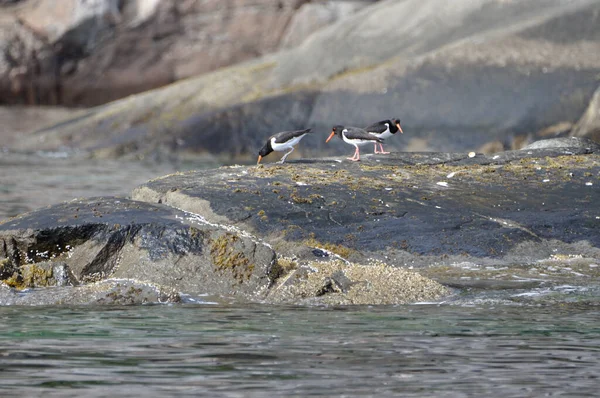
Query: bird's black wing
{"type": "Point", "coordinates": [378, 127]}
{"type": "Point", "coordinates": [354, 133]}
{"type": "Point", "coordinates": [285, 136]}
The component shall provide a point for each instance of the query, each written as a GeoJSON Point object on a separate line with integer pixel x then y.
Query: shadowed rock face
{"type": "Point", "coordinates": [589, 124]}
{"type": "Point", "coordinates": [99, 238]}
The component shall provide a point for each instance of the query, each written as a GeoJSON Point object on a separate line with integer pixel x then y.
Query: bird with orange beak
{"type": "Point", "coordinates": [354, 136]}
{"type": "Point", "coordinates": [281, 142]}
{"type": "Point", "coordinates": [384, 129]}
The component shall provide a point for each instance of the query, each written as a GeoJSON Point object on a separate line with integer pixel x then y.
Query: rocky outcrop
{"type": "Point", "coordinates": [485, 72]}
{"type": "Point", "coordinates": [455, 89]}
{"type": "Point", "coordinates": [76, 52]}
{"type": "Point", "coordinates": [469, 222]}
{"type": "Point", "coordinates": [117, 251]}
{"type": "Point", "coordinates": [390, 229]}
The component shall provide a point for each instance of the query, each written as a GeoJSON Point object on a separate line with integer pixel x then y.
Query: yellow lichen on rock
{"type": "Point", "coordinates": [29, 276]}
{"type": "Point", "coordinates": [225, 257]}
{"type": "Point", "coordinates": [338, 249]}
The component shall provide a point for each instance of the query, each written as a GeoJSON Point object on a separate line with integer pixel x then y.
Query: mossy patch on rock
{"type": "Point", "coordinates": [125, 293]}
{"type": "Point", "coordinates": [226, 257]}
{"type": "Point", "coordinates": [44, 274]}
{"type": "Point", "coordinates": [37, 276]}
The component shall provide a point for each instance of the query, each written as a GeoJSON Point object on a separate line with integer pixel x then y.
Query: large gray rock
{"type": "Point", "coordinates": [459, 88]}
{"type": "Point", "coordinates": [117, 251]}
{"type": "Point", "coordinates": [513, 220]}
{"type": "Point", "coordinates": [316, 15]}
{"type": "Point", "coordinates": [408, 29]}
{"type": "Point", "coordinates": [409, 208]}
{"type": "Point", "coordinates": [386, 230]}
{"type": "Point", "coordinates": [104, 239]}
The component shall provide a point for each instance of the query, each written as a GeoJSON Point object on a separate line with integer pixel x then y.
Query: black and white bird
{"type": "Point", "coordinates": [384, 129]}
{"type": "Point", "coordinates": [282, 142]}
{"type": "Point", "coordinates": [354, 136]}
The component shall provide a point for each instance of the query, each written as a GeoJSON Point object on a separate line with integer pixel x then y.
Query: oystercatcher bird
{"type": "Point", "coordinates": [384, 129]}
{"type": "Point", "coordinates": [354, 136]}
{"type": "Point", "coordinates": [281, 142]}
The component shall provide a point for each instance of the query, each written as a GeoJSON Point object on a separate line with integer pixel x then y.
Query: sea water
{"type": "Point", "coordinates": [268, 351]}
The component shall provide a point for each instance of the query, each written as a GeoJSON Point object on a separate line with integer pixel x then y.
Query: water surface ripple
{"type": "Point", "coordinates": [241, 351]}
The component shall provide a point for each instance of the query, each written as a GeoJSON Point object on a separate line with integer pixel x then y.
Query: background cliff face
{"type": "Point", "coordinates": [464, 75]}
{"type": "Point", "coordinates": [74, 52]}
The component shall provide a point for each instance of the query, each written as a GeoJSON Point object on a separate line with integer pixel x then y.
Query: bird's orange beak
{"type": "Point", "coordinates": [259, 159]}
{"type": "Point", "coordinates": [330, 136]}
{"type": "Point", "coordinates": [399, 128]}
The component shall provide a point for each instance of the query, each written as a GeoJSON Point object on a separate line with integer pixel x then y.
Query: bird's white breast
{"type": "Point", "coordinates": [282, 146]}
{"type": "Point", "coordinates": [353, 141]}
{"type": "Point", "coordinates": [387, 133]}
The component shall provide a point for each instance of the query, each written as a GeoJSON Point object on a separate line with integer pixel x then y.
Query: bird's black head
{"type": "Point", "coordinates": [264, 151]}
{"type": "Point", "coordinates": [395, 126]}
{"type": "Point", "coordinates": [336, 130]}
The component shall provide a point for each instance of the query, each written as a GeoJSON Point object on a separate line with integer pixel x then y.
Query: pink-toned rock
{"type": "Point", "coordinates": [55, 19]}
{"type": "Point", "coordinates": [76, 52]}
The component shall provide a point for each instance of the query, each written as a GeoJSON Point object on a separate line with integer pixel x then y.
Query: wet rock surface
{"type": "Point", "coordinates": [108, 292]}
{"type": "Point", "coordinates": [418, 210]}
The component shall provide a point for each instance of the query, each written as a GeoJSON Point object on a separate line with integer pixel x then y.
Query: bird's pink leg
{"type": "Point", "coordinates": [354, 158]}
{"type": "Point", "coordinates": [382, 151]}
{"type": "Point", "coordinates": [375, 150]}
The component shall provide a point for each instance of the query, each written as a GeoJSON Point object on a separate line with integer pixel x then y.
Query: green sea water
{"type": "Point", "coordinates": [269, 351]}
